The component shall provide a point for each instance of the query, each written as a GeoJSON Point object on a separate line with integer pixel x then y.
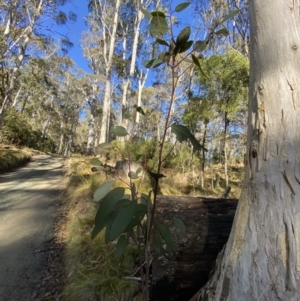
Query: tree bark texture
{"type": "Point", "coordinates": [208, 223]}
{"type": "Point", "coordinates": [261, 260]}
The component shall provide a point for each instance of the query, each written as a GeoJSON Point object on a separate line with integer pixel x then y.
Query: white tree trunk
{"type": "Point", "coordinates": [128, 81]}
{"type": "Point", "coordinates": [61, 138]}
{"type": "Point", "coordinates": [141, 83]}
{"type": "Point", "coordinates": [106, 101]}
{"type": "Point", "coordinates": [91, 126]}
{"type": "Point", "coordinates": [226, 162]}
{"type": "Point", "coordinates": [261, 260]}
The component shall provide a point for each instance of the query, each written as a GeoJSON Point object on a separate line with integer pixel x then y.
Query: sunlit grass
{"type": "Point", "coordinates": [93, 268]}
{"type": "Point", "coordinates": [11, 158]}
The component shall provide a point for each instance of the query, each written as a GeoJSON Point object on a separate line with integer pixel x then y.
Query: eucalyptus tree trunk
{"type": "Point", "coordinates": [129, 79]}
{"type": "Point", "coordinates": [69, 142]}
{"type": "Point", "coordinates": [261, 260]}
{"type": "Point", "coordinates": [91, 127]}
{"type": "Point", "coordinates": [46, 126]}
{"type": "Point", "coordinates": [91, 134]}
{"type": "Point", "coordinates": [108, 62]}
{"type": "Point", "coordinates": [61, 138]}
{"type": "Point", "coordinates": [226, 149]}
{"type": "Point", "coordinates": [203, 154]}
{"type": "Point", "coordinates": [142, 77]}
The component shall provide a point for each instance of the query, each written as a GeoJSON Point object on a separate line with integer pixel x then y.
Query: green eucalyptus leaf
{"type": "Point", "coordinates": [172, 47]}
{"type": "Point", "coordinates": [123, 203]}
{"type": "Point", "coordinates": [103, 190]}
{"type": "Point", "coordinates": [132, 175]}
{"type": "Point", "coordinates": [166, 235]}
{"type": "Point", "coordinates": [186, 46]}
{"type": "Point", "coordinates": [138, 170]}
{"type": "Point", "coordinates": [121, 245]}
{"type": "Point", "coordinates": [122, 220]}
{"type": "Point", "coordinates": [222, 31]}
{"type": "Point", "coordinates": [196, 144]}
{"type": "Point", "coordinates": [119, 131]}
{"type": "Point", "coordinates": [153, 63]}
{"type": "Point", "coordinates": [101, 225]}
{"type": "Point", "coordinates": [197, 63]}
{"type": "Point", "coordinates": [165, 56]}
{"type": "Point", "coordinates": [158, 26]}
{"type": "Point", "coordinates": [183, 36]}
{"type": "Point", "coordinates": [140, 110]}
{"type": "Point", "coordinates": [179, 224]}
{"type": "Point", "coordinates": [158, 14]}
{"type": "Point", "coordinates": [162, 42]}
{"type": "Point", "coordinates": [146, 14]}
{"type": "Point", "coordinates": [141, 209]}
{"type": "Point", "coordinates": [138, 216]}
{"type": "Point", "coordinates": [99, 168]}
{"type": "Point", "coordinates": [230, 15]}
{"type": "Point", "coordinates": [199, 46]}
{"type": "Point", "coordinates": [108, 204]}
{"type": "Point", "coordinates": [105, 213]}
{"type": "Point", "coordinates": [108, 228]}
{"type": "Point", "coordinates": [95, 162]}
{"type": "Point", "coordinates": [180, 7]}
{"type": "Point", "coordinates": [181, 132]}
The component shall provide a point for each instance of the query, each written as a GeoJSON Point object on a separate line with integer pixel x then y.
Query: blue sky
{"type": "Point", "coordinates": [74, 30]}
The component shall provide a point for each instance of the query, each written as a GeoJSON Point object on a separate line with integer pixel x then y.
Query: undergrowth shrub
{"type": "Point", "coordinates": [18, 131]}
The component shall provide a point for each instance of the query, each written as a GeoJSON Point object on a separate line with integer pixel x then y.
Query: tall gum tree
{"type": "Point", "coordinates": [108, 58]}
{"type": "Point", "coordinates": [261, 260]}
{"type": "Point", "coordinates": [23, 26]}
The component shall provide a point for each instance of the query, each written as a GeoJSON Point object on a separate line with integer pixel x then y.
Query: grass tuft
{"type": "Point", "coordinates": [11, 158]}
{"type": "Point", "coordinates": [94, 270]}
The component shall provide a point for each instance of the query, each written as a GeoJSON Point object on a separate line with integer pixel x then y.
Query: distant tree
{"type": "Point", "coordinates": [103, 21]}
{"type": "Point", "coordinates": [22, 32]}
{"type": "Point", "coordinates": [222, 96]}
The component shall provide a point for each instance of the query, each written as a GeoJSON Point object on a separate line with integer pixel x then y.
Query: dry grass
{"type": "Point", "coordinates": [93, 268]}
{"type": "Point", "coordinates": [189, 183]}
{"type": "Point", "coordinates": [94, 271]}
{"type": "Point", "coordinates": [11, 158]}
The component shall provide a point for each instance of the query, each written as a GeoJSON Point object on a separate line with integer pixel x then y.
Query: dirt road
{"type": "Point", "coordinates": [29, 200]}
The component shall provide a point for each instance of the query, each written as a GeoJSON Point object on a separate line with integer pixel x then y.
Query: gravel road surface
{"type": "Point", "coordinates": [29, 200]}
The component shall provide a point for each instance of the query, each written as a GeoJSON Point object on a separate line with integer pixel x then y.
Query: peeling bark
{"type": "Point", "coordinates": [261, 260]}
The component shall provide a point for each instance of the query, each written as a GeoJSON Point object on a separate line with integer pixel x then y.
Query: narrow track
{"type": "Point", "coordinates": [29, 200]}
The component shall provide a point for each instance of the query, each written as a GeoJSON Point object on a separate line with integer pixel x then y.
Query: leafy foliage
{"type": "Point", "coordinates": [18, 131]}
